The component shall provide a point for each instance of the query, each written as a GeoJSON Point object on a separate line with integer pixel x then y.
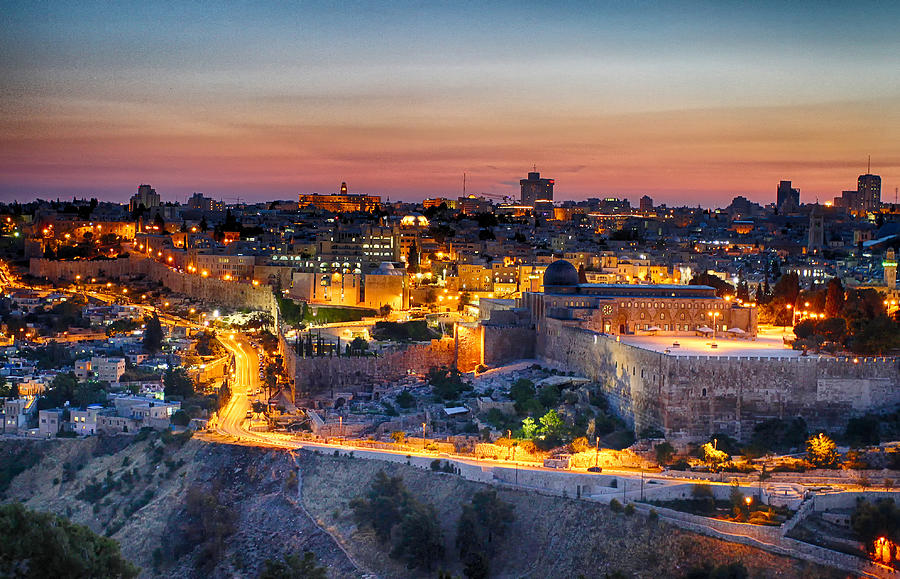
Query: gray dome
{"type": "Point", "coordinates": [560, 273]}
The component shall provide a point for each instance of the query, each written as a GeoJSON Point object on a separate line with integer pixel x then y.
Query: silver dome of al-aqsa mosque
{"type": "Point", "coordinates": [560, 273]}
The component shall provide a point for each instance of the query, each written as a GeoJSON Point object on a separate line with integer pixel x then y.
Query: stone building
{"type": "Point", "coordinates": [620, 309]}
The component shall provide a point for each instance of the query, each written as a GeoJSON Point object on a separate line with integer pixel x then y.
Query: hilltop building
{"type": "Point", "coordinates": [342, 202]}
{"type": "Point", "coordinates": [536, 189]}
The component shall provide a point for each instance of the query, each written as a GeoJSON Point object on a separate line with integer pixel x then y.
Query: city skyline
{"type": "Point", "coordinates": [688, 104]}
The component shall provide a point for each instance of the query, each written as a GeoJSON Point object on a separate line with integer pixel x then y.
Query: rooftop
{"type": "Point", "coordinates": [769, 343]}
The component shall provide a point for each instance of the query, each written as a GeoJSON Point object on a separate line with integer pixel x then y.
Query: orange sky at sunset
{"type": "Point", "coordinates": [611, 102]}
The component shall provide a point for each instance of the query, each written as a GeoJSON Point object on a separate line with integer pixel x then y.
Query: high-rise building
{"type": "Point", "coordinates": [868, 189]}
{"type": "Point", "coordinates": [787, 198]}
{"type": "Point", "coordinates": [646, 204]}
{"type": "Point", "coordinates": [536, 189]}
{"type": "Point", "coordinates": [146, 196]}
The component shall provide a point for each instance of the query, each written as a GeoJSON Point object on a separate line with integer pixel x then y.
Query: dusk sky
{"type": "Point", "coordinates": [687, 102]}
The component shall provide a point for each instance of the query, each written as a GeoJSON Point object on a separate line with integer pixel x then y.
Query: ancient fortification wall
{"type": "Point", "coordinates": [324, 376]}
{"type": "Point", "coordinates": [693, 397]}
{"type": "Point", "coordinates": [503, 344]}
{"type": "Point", "coordinates": [214, 291]}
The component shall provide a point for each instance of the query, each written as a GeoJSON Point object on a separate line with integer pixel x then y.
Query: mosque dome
{"type": "Point", "coordinates": [560, 273]}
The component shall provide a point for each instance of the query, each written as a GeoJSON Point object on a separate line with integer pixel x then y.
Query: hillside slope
{"type": "Point", "coordinates": [551, 537]}
{"type": "Point", "coordinates": [179, 508]}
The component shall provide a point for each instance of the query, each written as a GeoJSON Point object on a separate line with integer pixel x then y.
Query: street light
{"type": "Point", "coordinates": [714, 315]}
{"type": "Point", "coordinates": [423, 436]}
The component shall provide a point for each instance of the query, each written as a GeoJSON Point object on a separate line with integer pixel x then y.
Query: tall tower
{"type": "Point", "coordinates": [816, 230]}
{"type": "Point", "coordinates": [536, 189]}
{"type": "Point", "coordinates": [890, 269]}
{"type": "Point", "coordinates": [868, 189]}
{"type": "Point", "coordinates": [787, 198]}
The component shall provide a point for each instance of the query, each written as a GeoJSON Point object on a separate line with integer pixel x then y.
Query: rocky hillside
{"type": "Point", "coordinates": [178, 507]}
{"type": "Point", "coordinates": [551, 536]}
{"type": "Point", "coordinates": [187, 508]}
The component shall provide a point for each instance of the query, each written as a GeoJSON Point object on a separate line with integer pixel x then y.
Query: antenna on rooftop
{"type": "Point", "coordinates": [869, 166]}
{"type": "Point", "coordinates": [464, 183]}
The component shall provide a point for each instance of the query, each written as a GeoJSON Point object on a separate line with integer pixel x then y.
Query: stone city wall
{"type": "Point", "coordinates": [324, 376]}
{"type": "Point", "coordinates": [214, 291]}
{"type": "Point", "coordinates": [693, 397]}
{"type": "Point", "coordinates": [504, 344]}
{"type": "Point", "coordinates": [469, 346]}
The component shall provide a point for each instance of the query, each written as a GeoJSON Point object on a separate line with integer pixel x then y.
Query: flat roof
{"type": "Point", "coordinates": [769, 343]}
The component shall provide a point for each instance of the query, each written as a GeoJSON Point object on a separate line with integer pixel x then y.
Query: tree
{"type": "Point", "coordinates": [862, 431]}
{"type": "Point", "coordinates": [293, 567]}
{"type": "Point", "coordinates": [359, 344]}
{"type": "Point", "coordinates": [664, 453]}
{"type": "Point", "coordinates": [61, 390]}
{"type": "Point", "coordinates": [153, 334]}
{"type": "Point", "coordinates": [743, 291]}
{"type": "Point", "coordinates": [878, 527]}
{"type": "Point", "coordinates": [8, 389]}
{"type": "Point", "coordinates": [181, 418]}
{"type": "Point", "coordinates": [446, 383]}
{"type": "Point", "coordinates": [712, 456]}
{"type": "Point", "coordinates": [551, 424]}
{"type": "Point", "coordinates": [821, 451]}
{"type": "Point", "coordinates": [549, 395]}
{"type": "Point", "coordinates": [89, 392]}
{"type": "Point", "coordinates": [382, 506]}
{"type": "Point", "coordinates": [787, 288]}
{"type": "Point", "coordinates": [722, 287]}
{"type": "Point", "coordinates": [176, 382]}
{"type": "Point", "coordinates": [36, 544]}
{"type": "Point", "coordinates": [487, 518]}
{"type": "Point", "coordinates": [834, 298]}
{"type": "Point", "coordinates": [876, 336]}
{"type": "Point", "coordinates": [483, 519]}
{"type": "Point", "coordinates": [405, 399]}
{"type": "Point", "coordinates": [729, 571]}
{"type": "Point", "coordinates": [521, 392]}
{"type": "Point", "coordinates": [418, 539]}
{"type": "Point", "coordinates": [780, 435]}
{"type": "Point", "coordinates": [529, 428]}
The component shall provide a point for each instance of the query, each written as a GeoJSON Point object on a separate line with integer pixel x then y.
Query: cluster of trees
{"type": "Point", "coordinates": [34, 544]}
{"type": "Point", "coordinates": [447, 383]}
{"type": "Point", "coordinates": [294, 567]}
{"type": "Point", "coordinates": [412, 531]}
{"type": "Point", "coordinates": [877, 525]}
{"type": "Point", "coordinates": [484, 520]}
{"type": "Point", "coordinates": [544, 425]}
{"type": "Point", "coordinates": [408, 526]}
{"type": "Point", "coordinates": [66, 388]}
{"type": "Point", "coordinates": [412, 331]}
{"type": "Point", "coordinates": [855, 319]}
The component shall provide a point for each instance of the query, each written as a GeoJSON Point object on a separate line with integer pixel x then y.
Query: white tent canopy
{"type": "Point", "coordinates": [737, 331]}
{"type": "Point", "coordinates": [704, 329]}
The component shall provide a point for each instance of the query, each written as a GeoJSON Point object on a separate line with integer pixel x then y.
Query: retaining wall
{"type": "Point", "coordinates": [693, 397]}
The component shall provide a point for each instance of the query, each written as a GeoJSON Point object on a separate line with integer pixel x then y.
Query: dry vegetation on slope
{"type": "Point", "coordinates": [551, 537]}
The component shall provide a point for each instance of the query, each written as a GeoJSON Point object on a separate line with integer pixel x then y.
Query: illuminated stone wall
{"type": "Point", "coordinates": [321, 377]}
{"type": "Point", "coordinates": [693, 397]}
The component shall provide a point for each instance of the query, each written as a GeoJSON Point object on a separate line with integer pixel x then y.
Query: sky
{"type": "Point", "coordinates": [688, 102]}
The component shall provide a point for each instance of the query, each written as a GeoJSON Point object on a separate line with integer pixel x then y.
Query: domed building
{"type": "Point", "coordinates": [560, 273]}
{"type": "Point", "coordinates": [634, 308]}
